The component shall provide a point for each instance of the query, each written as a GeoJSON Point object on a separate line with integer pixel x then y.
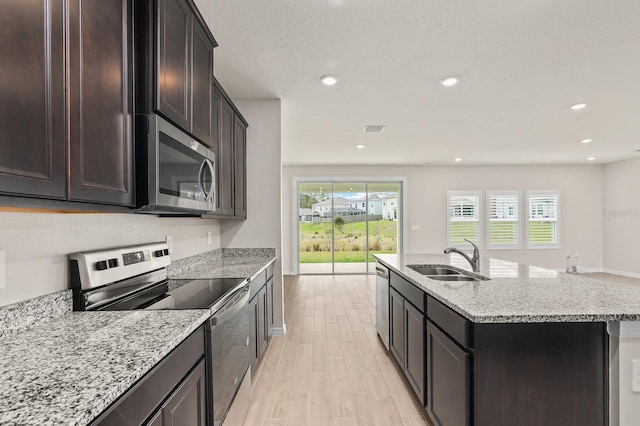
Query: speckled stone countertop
{"type": "Point", "coordinates": [223, 263]}
{"type": "Point", "coordinates": [67, 370]}
{"type": "Point", "coordinates": [21, 315]}
{"type": "Point", "coordinates": [520, 293]}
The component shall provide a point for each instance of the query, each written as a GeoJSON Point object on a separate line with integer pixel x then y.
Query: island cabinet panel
{"type": "Point", "coordinates": [32, 110]}
{"type": "Point", "coordinates": [396, 316]}
{"type": "Point", "coordinates": [540, 374]}
{"type": "Point", "coordinates": [414, 351]}
{"type": "Point", "coordinates": [101, 102]}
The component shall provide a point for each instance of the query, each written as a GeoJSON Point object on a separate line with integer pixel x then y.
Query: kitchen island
{"type": "Point", "coordinates": [527, 347]}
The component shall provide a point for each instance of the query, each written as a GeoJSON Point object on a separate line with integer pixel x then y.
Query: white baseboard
{"type": "Point", "coordinates": [623, 273]}
{"type": "Point", "coordinates": [279, 331]}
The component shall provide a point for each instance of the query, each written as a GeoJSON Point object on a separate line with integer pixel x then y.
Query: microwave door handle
{"type": "Point", "coordinates": [211, 192]}
{"type": "Point", "coordinates": [200, 181]}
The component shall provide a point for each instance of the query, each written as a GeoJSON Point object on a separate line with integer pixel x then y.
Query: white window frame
{"type": "Point", "coordinates": [465, 245]}
{"type": "Point", "coordinates": [514, 246]}
{"type": "Point", "coordinates": [558, 243]}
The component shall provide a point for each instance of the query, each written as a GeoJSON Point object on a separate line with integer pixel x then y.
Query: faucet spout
{"type": "Point", "coordinates": [473, 261]}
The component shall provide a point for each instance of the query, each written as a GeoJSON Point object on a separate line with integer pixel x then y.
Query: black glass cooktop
{"type": "Point", "coordinates": [197, 294]}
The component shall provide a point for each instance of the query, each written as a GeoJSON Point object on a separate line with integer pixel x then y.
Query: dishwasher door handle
{"type": "Point", "coordinates": [233, 308]}
{"type": "Point", "coordinates": [382, 273]}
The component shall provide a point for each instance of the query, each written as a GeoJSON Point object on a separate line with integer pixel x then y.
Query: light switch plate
{"type": "Point", "coordinates": [209, 239]}
{"type": "Point", "coordinates": [3, 275]}
{"type": "Point", "coordinates": [635, 380]}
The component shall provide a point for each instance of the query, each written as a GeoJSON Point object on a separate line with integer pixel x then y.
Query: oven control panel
{"type": "Point", "coordinates": [100, 267]}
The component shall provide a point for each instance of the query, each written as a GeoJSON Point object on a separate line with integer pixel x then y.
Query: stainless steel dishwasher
{"type": "Point", "coordinates": [382, 303]}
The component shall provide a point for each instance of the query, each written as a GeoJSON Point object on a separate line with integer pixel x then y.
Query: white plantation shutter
{"type": "Point", "coordinates": [463, 218]}
{"type": "Point", "coordinates": [503, 224]}
{"type": "Point", "coordinates": [543, 223]}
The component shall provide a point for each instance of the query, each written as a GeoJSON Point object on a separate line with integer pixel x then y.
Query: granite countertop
{"type": "Point", "coordinates": [67, 370]}
{"type": "Point", "coordinates": [519, 293]}
{"type": "Point", "coordinates": [223, 263]}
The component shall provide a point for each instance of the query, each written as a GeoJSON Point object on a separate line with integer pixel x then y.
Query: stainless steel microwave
{"type": "Point", "coordinates": [176, 174]}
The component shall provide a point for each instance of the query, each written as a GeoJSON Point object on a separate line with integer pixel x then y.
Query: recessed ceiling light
{"type": "Point", "coordinates": [586, 140]}
{"type": "Point", "coordinates": [449, 81]}
{"type": "Point", "coordinates": [360, 146]}
{"type": "Point", "coordinates": [329, 80]}
{"type": "Point", "coordinates": [457, 159]}
{"type": "Point", "coordinates": [591, 158]}
{"type": "Point", "coordinates": [578, 106]}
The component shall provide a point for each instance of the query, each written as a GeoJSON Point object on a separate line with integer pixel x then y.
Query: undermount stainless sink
{"type": "Point", "coordinates": [445, 273]}
{"type": "Point", "coordinates": [451, 278]}
{"type": "Point", "coordinates": [433, 270]}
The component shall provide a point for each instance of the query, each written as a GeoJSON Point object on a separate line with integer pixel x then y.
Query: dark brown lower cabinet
{"type": "Point", "coordinates": [448, 380]}
{"type": "Point", "coordinates": [407, 340]}
{"type": "Point", "coordinates": [396, 332]}
{"type": "Point", "coordinates": [258, 337]}
{"type": "Point", "coordinates": [269, 307]}
{"type": "Point", "coordinates": [187, 405]}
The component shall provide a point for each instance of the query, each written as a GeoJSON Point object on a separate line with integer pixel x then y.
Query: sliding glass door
{"type": "Point", "coordinates": [342, 223]}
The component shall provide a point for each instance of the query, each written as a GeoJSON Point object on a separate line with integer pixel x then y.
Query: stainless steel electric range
{"type": "Point", "coordinates": [135, 277]}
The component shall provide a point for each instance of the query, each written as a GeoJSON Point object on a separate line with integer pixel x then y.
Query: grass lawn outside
{"type": "Point", "coordinates": [502, 232]}
{"type": "Point", "coordinates": [350, 244]}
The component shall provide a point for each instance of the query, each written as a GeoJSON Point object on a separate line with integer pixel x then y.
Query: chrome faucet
{"type": "Point", "coordinates": [474, 261]}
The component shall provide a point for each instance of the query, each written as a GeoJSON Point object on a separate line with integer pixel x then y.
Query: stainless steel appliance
{"type": "Point", "coordinates": [175, 173]}
{"type": "Point", "coordinates": [136, 278]}
{"type": "Point", "coordinates": [382, 303]}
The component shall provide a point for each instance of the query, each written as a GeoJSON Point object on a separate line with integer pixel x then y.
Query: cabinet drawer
{"type": "Point", "coordinates": [409, 291]}
{"type": "Point", "coordinates": [452, 323]}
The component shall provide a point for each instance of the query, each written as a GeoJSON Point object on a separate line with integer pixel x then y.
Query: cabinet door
{"type": "Point", "coordinates": [448, 384]}
{"type": "Point", "coordinates": [225, 158]}
{"type": "Point", "coordinates": [269, 307]}
{"type": "Point", "coordinates": [173, 50]}
{"type": "Point", "coordinates": [240, 169]}
{"type": "Point", "coordinates": [262, 321]}
{"type": "Point", "coordinates": [253, 335]}
{"type": "Point", "coordinates": [414, 354]}
{"type": "Point", "coordinates": [396, 318]}
{"type": "Point", "coordinates": [32, 109]}
{"type": "Point", "coordinates": [101, 101]}
{"type": "Point", "coordinates": [202, 85]}
{"type": "Point", "coordinates": [187, 405]}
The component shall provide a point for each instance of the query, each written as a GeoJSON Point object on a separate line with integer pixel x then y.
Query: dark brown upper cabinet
{"type": "Point", "coordinates": [100, 95]}
{"type": "Point", "coordinates": [76, 146]}
{"type": "Point", "coordinates": [32, 119]}
{"type": "Point", "coordinates": [184, 76]}
{"type": "Point", "coordinates": [240, 169]}
{"type": "Point", "coordinates": [231, 157]}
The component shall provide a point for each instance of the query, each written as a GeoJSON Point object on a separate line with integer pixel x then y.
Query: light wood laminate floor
{"type": "Point", "coordinates": [330, 368]}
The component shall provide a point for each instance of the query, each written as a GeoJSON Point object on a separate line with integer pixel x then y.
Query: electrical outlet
{"type": "Point", "coordinates": [635, 378]}
{"type": "Point", "coordinates": [3, 279]}
{"type": "Point", "coordinates": [169, 240]}
{"type": "Point", "coordinates": [209, 238]}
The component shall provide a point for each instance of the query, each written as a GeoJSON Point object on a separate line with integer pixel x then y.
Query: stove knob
{"type": "Point", "coordinates": [165, 252]}
{"type": "Point", "coordinates": [102, 265]}
{"type": "Point", "coordinates": [158, 253]}
{"type": "Point", "coordinates": [113, 263]}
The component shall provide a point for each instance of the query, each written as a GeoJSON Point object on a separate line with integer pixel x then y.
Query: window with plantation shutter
{"type": "Point", "coordinates": [463, 218]}
{"type": "Point", "coordinates": [543, 219]}
{"type": "Point", "coordinates": [503, 224]}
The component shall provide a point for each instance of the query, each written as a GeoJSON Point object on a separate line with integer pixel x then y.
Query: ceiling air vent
{"type": "Point", "coordinates": [373, 128]}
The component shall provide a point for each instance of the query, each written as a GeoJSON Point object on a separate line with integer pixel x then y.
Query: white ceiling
{"type": "Point", "coordinates": [522, 64]}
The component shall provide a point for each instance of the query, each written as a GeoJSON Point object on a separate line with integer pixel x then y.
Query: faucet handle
{"type": "Point", "coordinates": [475, 247]}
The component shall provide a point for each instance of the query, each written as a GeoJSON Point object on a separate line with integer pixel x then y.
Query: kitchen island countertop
{"type": "Point", "coordinates": [519, 293]}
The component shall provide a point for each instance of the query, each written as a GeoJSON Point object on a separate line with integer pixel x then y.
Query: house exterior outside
{"type": "Point", "coordinates": [390, 207]}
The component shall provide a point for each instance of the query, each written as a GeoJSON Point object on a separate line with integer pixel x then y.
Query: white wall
{"type": "Point", "coordinates": [263, 227]}
{"type": "Point", "coordinates": [581, 204]}
{"type": "Point", "coordinates": [36, 244]}
{"type": "Point", "coordinates": [621, 216]}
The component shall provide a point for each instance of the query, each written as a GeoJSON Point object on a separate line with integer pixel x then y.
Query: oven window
{"type": "Point", "coordinates": [178, 170]}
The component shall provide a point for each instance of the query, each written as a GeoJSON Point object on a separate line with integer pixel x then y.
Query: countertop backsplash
{"type": "Point", "coordinates": [22, 315]}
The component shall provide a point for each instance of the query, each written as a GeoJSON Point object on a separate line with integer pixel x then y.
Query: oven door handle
{"type": "Point", "coordinates": [235, 307]}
